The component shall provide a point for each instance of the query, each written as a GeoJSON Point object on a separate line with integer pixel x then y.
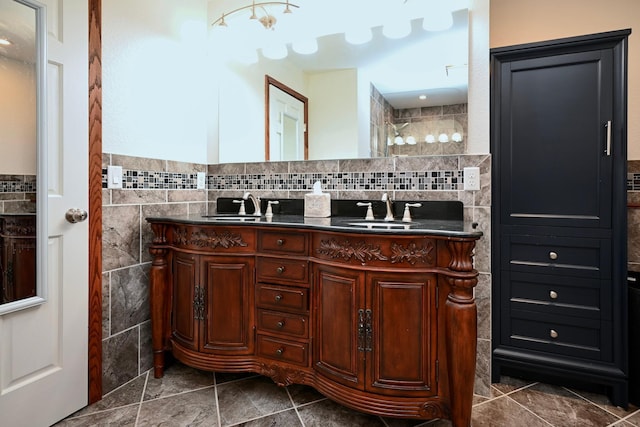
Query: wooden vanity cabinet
{"type": "Point", "coordinates": [17, 257]}
{"type": "Point", "coordinates": [377, 331]}
{"type": "Point", "coordinates": [382, 323]}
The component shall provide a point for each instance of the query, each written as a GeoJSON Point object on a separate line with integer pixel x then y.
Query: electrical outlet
{"type": "Point", "coordinates": [200, 184]}
{"type": "Point", "coordinates": [114, 177]}
{"type": "Point", "coordinates": [471, 177]}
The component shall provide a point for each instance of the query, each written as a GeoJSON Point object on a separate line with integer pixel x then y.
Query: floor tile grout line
{"type": "Point", "coordinates": [294, 406]}
{"type": "Point", "coordinates": [180, 393]}
{"type": "Point", "coordinates": [601, 406]}
{"type": "Point", "coordinates": [530, 411]}
{"type": "Point", "coordinates": [144, 390]}
{"type": "Point", "coordinates": [258, 418]}
{"type": "Point", "coordinates": [627, 417]}
{"type": "Point", "coordinates": [217, 401]}
{"type": "Point", "coordinates": [504, 395]}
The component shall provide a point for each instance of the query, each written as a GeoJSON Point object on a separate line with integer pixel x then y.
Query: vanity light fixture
{"type": "Point", "coordinates": [443, 137]}
{"type": "Point", "coordinates": [268, 21]}
{"type": "Point", "coordinates": [430, 139]}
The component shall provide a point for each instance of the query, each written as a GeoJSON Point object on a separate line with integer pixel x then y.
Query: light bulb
{"type": "Point", "coordinates": [443, 137]}
{"type": "Point", "coordinates": [411, 140]}
{"type": "Point", "coordinates": [430, 139]}
{"type": "Point", "coordinates": [456, 137]}
{"type": "Point", "coordinates": [398, 140]}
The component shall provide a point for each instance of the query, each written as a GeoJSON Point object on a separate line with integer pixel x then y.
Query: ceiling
{"type": "Point", "coordinates": [431, 63]}
{"type": "Point", "coordinates": [17, 24]}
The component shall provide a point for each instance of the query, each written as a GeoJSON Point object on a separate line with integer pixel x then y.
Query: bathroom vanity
{"type": "Point", "coordinates": [377, 316]}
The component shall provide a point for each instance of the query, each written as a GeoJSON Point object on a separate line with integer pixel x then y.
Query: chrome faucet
{"type": "Point", "coordinates": [256, 203]}
{"type": "Point", "coordinates": [387, 200]}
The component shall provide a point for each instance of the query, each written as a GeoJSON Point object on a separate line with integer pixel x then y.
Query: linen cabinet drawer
{"type": "Point", "coordinates": [581, 257]}
{"type": "Point", "coordinates": [567, 336]}
{"type": "Point", "coordinates": [285, 351]}
{"type": "Point", "coordinates": [282, 242]}
{"type": "Point", "coordinates": [282, 297]}
{"type": "Point", "coordinates": [282, 270]}
{"type": "Point", "coordinates": [295, 325]}
{"type": "Point", "coordinates": [566, 295]}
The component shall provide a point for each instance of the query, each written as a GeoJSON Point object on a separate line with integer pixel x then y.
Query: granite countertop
{"type": "Point", "coordinates": [438, 227]}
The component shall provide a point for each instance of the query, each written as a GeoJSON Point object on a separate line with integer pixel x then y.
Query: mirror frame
{"type": "Point", "coordinates": [42, 162]}
{"type": "Point", "coordinates": [270, 81]}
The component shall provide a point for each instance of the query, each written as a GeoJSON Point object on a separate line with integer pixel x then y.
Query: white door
{"type": "Point", "coordinates": [287, 127]}
{"type": "Point", "coordinates": [43, 349]}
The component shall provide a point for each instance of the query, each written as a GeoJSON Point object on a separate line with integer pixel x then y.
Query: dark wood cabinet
{"type": "Point", "coordinates": [559, 211]}
{"type": "Point", "coordinates": [383, 323]}
{"type": "Point", "coordinates": [17, 257]}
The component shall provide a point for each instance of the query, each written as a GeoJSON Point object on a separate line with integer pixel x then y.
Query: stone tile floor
{"type": "Point", "coordinates": [189, 397]}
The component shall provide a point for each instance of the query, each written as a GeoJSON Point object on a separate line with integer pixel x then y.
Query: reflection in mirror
{"type": "Point", "coordinates": [286, 122]}
{"type": "Point", "coordinates": [358, 90]}
{"type": "Point", "coordinates": [22, 65]}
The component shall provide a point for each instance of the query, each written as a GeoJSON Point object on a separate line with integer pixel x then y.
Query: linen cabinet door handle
{"type": "Point", "coordinates": [553, 255]}
{"type": "Point", "coordinates": [607, 127]}
{"type": "Point", "coordinates": [553, 295]}
{"type": "Point", "coordinates": [553, 333]}
{"type": "Point", "coordinates": [280, 269]}
{"type": "Point", "coordinates": [280, 242]}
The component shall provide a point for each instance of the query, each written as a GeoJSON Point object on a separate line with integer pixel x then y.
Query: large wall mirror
{"type": "Point", "coordinates": [402, 92]}
{"type": "Point", "coordinates": [23, 160]}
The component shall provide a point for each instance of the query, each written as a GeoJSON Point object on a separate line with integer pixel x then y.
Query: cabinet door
{"type": "Point", "coordinates": [184, 316]}
{"type": "Point", "coordinates": [228, 323]}
{"type": "Point", "coordinates": [555, 169]}
{"type": "Point", "coordinates": [402, 349]}
{"type": "Point", "coordinates": [338, 346]}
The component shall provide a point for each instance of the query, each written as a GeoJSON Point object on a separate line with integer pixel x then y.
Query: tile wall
{"type": "Point", "coordinates": [633, 214]}
{"type": "Point", "coordinates": [17, 193]}
{"type": "Point", "coordinates": [158, 187]}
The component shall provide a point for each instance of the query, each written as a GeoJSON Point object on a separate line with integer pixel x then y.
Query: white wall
{"type": "Point", "coordinates": [17, 117]}
{"type": "Point", "coordinates": [154, 72]}
{"type": "Point", "coordinates": [479, 113]}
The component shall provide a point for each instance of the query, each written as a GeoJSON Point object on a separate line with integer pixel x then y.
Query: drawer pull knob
{"type": "Point", "coordinates": [280, 324]}
{"type": "Point", "coordinates": [278, 298]}
{"type": "Point", "coordinates": [280, 269]}
{"type": "Point", "coordinates": [280, 242]}
{"type": "Point", "coordinates": [280, 351]}
{"type": "Point", "coordinates": [553, 333]}
{"type": "Point", "coordinates": [553, 295]}
{"type": "Point", "coordinates": [553, 255]}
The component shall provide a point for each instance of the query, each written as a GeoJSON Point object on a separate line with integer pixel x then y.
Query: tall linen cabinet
{"type": "Point", "coordinates": [559, 148]}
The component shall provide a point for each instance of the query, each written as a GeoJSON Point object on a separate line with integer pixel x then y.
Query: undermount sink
{"type": "Point", "coordinates": [376, 224]}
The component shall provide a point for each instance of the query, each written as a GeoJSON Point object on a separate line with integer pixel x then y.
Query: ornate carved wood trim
{"type": "Point", "coordinates": [207, 238]}
{"type": "Point", "coordinates": [346, 250]}
{"type": "Point", "coordinates": [412, 253]}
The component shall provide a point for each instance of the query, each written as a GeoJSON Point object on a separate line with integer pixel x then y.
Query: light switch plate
{"type": "Point", "coordinates": [200, 184]}
{"type": "Point", "coordinates": [471, 177]}
{"type": "Point", "coordinates": [114, 177]}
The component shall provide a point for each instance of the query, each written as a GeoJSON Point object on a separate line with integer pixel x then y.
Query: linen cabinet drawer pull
{"type": "Point", "coordinates": [280, 269]}
{"type": "Point", "coordinates": [280, 242]}
{"type": "Point", "coordinates": [278, 298]}
{"type": "Point", "coordinates": [280, 324]}
{"type": "Point", "coordinates": [553, 255]}
{"type": "Point", "coordinates": [553, 333]}
{"type": "Point", "coordinates": [553, 295]}
{"type": "Point", "coordinates": [280, 351]}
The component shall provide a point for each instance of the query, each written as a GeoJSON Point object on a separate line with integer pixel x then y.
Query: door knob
{"type": "Point", "coordinates": [74, 215]}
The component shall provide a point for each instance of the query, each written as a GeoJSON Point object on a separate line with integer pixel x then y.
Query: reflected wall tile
{"type": "Point", "coordinates": [367, 165]}
{"type": "Point", "coordinates": [106, 160]}
{"type": "Point", "coordinates": [119, 359]}
{"type": "Point", "coordinates": [633, 166]}
{"type": "Point", "coordinates": [120, 236]}
{"type": "Point", "coordinates": [106, 197]}
{"type": "Point", "coordinates": [226, 169]}
{"type": "Point", "coordinates": [129, 297]}
{"type": "Point", "coordinates": [441, 163]}
{"type": "Point", "coordinates": [106, 304]}
{"type": "Point", "coordinates": [184, 167]}
{"type": "Point", "coordinates": [321, 166]}
{"type": "Point", "coordinates": [482, 259]}
{"type": "Point", "coordinates": [267, 167]}
{"type": "Point", "coordinates": [138, 163]}
{"type": "Point", "coordinates": [633, 236]}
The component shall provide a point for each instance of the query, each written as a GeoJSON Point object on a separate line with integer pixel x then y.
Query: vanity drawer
{"type": "Point", "coordinates": [557, 334]}
{"type": "Point", "coordinates": [282, 242]}
{"type": "Point", "coordinates": [581, 257]}
{"type": "Point", "coordinates": [286, 351]}
{"type": "Point", "coordinates": [296, 325]}
{"type": "Point", "coordinates": [282, 270]}
{"type": "Point", "coordinates": [282, 297]}
{"type": "Point", "coordinates": [565, 295]}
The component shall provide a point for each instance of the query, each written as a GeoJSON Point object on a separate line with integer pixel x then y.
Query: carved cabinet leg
{"type": "Point", "coordinates": [158, 285]}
